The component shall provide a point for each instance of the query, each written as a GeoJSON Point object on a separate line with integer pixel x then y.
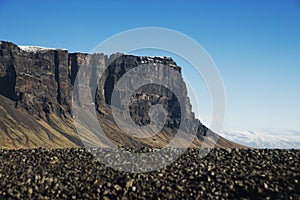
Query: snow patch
{"type": "Point", "coordinates": [37, 48]}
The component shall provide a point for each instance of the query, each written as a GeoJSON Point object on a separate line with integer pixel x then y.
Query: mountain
{"type": "Point", "coordinates": [265, 138]}
{"type": "Point", "coordinates": [36, 85]}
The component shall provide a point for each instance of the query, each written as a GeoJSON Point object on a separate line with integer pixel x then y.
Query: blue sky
{"type": "Point", "coordinates": [255, 45]}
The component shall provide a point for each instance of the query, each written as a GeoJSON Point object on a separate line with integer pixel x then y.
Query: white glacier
{"type": "Point", "coordinates": [265, 138]}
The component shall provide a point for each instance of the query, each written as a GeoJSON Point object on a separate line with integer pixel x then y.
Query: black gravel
{"type": "Point", "coordinates": [223, 174]}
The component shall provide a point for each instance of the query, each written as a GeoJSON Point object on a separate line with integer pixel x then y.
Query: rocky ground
{"type": "Point", "coordinates": [223, 174]}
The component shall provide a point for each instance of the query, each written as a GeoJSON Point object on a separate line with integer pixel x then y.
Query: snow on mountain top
{"type": "Point", "coordinates": [265, 138]}
{"type": "Point", "coordinates": [37, 48]}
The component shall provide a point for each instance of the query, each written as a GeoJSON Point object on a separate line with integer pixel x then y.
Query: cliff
{"type": "Point", "coordinates": [36, 98]}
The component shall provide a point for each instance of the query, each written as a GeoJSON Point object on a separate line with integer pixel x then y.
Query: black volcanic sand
{"type": "Point", "coordinates": [223, 174]}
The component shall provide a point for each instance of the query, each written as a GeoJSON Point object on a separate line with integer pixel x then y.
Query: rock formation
{"type": "Point", "coordinates": [37, 85]}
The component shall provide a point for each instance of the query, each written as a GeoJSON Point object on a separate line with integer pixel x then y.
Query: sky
{"type": "Point", "coordinates": [254, 44]}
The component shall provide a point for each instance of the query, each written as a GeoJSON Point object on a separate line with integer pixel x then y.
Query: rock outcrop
{"type": "Point", "coordinates": [40, 83]}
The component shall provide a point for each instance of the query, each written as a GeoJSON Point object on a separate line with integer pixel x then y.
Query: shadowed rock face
{"type": "Point", "coordinates": [41, 82]}
{"type": "Point", "coordinates": [8, 83]}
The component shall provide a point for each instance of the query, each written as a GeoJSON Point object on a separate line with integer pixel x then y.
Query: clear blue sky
{"type": "Point", "coordinates": [255, 44]}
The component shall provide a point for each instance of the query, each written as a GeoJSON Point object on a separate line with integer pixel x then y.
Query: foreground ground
{"type": "Point", "coordinates": [223, 174]}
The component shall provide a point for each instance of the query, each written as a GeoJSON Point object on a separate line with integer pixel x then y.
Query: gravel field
{"type": "Point", "coordinates": [223, 174]}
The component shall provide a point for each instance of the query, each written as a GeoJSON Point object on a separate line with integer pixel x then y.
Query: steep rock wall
{"type": "Point", "coordinates": [41, 82]}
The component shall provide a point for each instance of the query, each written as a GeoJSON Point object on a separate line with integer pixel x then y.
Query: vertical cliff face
{"type": "Point", "coordinates": [7, 71]}
{"type": "Point", "coordinates": [40, 81]}
{"type": "Point", "coordinates": [150, 94]}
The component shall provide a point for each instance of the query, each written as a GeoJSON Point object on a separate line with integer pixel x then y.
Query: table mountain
{"type": "Point", "coordinates": [36, 99]}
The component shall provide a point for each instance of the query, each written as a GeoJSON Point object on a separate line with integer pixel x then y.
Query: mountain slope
{"type": "Point", "coordinates": [21, 130]}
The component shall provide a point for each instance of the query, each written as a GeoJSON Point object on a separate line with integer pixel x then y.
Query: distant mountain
{"type": "Point", "coordinates": [265, 138]}
{"type": "Point", "coordinates": [36, 86]}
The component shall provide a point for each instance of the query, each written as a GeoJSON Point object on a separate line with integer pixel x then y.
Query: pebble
{"type": "Point", "coordinates": [222, 174]}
